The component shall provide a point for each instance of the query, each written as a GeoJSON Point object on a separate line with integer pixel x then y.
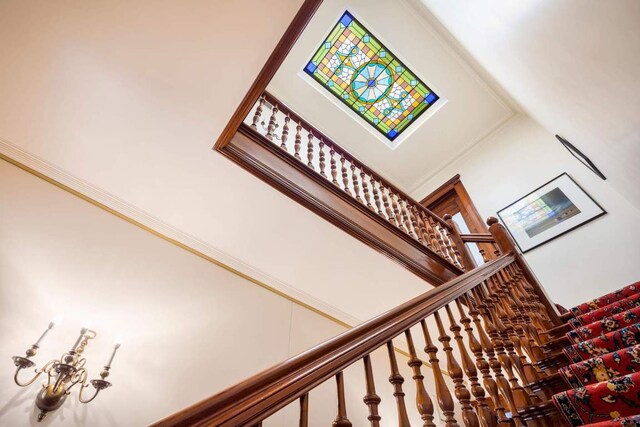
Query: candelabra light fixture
{"type": "Point", "coordinates": [64, 373]}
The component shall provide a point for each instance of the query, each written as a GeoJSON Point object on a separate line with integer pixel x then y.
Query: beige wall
{"type": "Point", "coordinates": [586, 262]}
{"type": "Point", "coordinates": [191, 328]}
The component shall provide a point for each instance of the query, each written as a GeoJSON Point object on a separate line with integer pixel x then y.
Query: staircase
{"type": "Point", "coordinates": [512, 358]}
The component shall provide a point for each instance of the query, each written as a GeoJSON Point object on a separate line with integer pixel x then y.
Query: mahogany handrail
{"type": "Point", "coordinates": [351, 158]}
{"type": "Point", "coordinates": [477, 238]}
{"type": "Point", "coordinates": [254, 399]}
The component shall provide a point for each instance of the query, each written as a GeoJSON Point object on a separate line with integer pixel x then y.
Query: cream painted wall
{"type": "Point", "coordinates": [190, 328]}
{"type": "Point", "coordinates": [585, 263]}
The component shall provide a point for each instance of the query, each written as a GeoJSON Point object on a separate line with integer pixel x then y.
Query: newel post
{"type": "Point", "coordinates": [467, 259]}
{"type": "Point", "coordinates": [506, 244]}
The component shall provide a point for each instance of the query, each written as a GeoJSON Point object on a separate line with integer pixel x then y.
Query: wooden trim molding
{"type": "Point", "coordinates": [118, 207]}
{"type": "Point", "coordinates": [277, 57]}
{"type": "Point", "coordinates": [280, 170]}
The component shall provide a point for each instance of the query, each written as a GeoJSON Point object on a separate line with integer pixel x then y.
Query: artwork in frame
{"type": "Point", "coordinates": [549, 211]}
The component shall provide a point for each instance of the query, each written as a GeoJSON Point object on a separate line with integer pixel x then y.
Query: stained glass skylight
{"type": "Point", "coordinates": [360, 71]}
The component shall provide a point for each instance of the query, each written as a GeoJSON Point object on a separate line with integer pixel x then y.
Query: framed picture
{"type": "Point", "coordinates": [549, 211]}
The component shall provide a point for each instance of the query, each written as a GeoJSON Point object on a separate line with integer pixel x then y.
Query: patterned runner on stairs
{"type": "Point", "coordinates": [605, 375]}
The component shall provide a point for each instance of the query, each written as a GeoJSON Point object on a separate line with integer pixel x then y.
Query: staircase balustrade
{"type": "Point", "coordinates": [502, 317]}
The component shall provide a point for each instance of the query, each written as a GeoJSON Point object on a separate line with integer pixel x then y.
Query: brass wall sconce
{"type": "Point", "coordinates": [63, 374]}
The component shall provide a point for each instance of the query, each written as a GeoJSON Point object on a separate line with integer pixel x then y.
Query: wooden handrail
{"type": "Point", "coordinates": [477, 238]}
{"type": "Point", "coordinates": [350, 157]}
{"type": "Point", "coordinates": [254, 399]}
{"type": "Point", "coordinates": [317, 156]}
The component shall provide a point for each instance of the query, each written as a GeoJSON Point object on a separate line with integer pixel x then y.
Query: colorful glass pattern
{"type": "Point", "coordinates": [360, 71]}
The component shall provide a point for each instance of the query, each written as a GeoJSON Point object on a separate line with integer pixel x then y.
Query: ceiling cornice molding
{"type": "Point", "coordinates": [417, 189]}
{"type": "Point", "coordinates": [116, 206]}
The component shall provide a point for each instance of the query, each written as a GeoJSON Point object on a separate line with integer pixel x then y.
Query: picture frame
{"type": "Point", "coordinates": [548, 212]}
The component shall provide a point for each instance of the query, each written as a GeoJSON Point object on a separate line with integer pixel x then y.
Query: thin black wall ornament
{"type": "Point", "coordinates": [582, 158]}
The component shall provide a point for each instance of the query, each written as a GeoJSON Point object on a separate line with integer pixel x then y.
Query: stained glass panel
{"type": "Point", "coordinates": [360, 71]}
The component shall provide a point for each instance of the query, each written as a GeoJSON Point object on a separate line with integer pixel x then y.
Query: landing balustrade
{"type": "Point", "coordinates": [285, 129]}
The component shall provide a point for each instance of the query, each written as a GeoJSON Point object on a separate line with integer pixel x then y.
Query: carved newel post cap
{"type": "Point", "coordinates": [492, 220]}
{"type": "Point", "coordinates": [446, 217]}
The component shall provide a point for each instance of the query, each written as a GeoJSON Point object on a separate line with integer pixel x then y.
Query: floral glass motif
{"type": "Point", "coordinates": [355, 67]}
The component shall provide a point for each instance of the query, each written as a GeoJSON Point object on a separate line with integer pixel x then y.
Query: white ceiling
{"type": "Point", "coordinates": [472, 109]}
{"type": "Point", "coordinates": [572, 65]}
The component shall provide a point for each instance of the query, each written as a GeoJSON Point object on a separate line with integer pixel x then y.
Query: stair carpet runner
{"type": "Point", "coordinates": [604, 374]}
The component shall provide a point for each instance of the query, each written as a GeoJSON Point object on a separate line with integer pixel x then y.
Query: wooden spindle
{"type": "Point", "coordinates": [423, 400]}
{"type": "Point", "coordinates": [435, 242]}
{"type": "Point", "coordinates": [272, 123]}
{"type": "Point", "coordinates": [341, 419]}
{"type": "Point", "coordinates": [497, 363]}
{"type": "Point", "coordinates": [445, 401]}
{"type": "Point", "coordinates": [321, 161]}
{"type": "Point", "coordinates": [285, 133]}
{"type": "Point", "coordinates": [396, 380]}
{"type": "Point", "coordinates": [415, 228]}
{"type": "Point", "coordinates": [356, 185]}
{"type": "Point", "coordinates": [310, 151]}
{"type": "Point", "coordinates": [387, 207]}
{"type": "Point", "coordinates": [406, 219]}
{"type": "Point", "coordinates": [298, 142]}
{"type": "Point", "coordinates": [304, 410]}
{"type": "Point", "coordinates": [345, 174]}
{"type": "Point", "coordinates": [334, 168]}
{"type": "Point", "coordinates": [484, 411]}
{"type": "Point", "coordinates": [376, 195]}
{"type": "Point", "coordinates": [371, 399]}
{"type": "Point", "coordinates": [453, 367]}
{"type": "Point", "coordinates": [365, 188]}
{"type": "Point", "coordinates": [258, 114]}
{"type": "Point", "coordinates": [396, 211]}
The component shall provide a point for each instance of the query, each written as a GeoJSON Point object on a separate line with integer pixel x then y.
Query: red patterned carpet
{"type": "Point", "coordinates": [605, 374]}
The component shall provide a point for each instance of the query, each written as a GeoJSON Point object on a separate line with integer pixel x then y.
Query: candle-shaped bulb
{"type": "Point", "coordinates": [82, 332]}
{"type": "Point", "coordinates": [51, 325]}
{"type": "Point", "coordinates": [113, 354]}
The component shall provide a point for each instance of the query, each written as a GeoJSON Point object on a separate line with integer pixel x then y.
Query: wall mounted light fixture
{"type": "Point", "coordinates": [63, 374]}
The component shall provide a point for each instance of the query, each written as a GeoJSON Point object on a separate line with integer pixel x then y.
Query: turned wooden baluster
{"type": "Point", "coordinates": [423, 228]}
{"type": "Point", "coordinates": [396, 212]}
{"type": "Point", "coordinates": [479, 349]}
{"type": "Point", "coordinates": [413, 223]}
{"type": "Point", "coordinates": [376, 195]}
{"type": "Point", "coordinates": [497, 347]}
{"type": "Point", "coordinates": [396, 380]}
{"type": "Point", "coordinates": [454, 247]}
{"type": "Point", "coordinates": [515, 320]}
{"type": "Point", "coordinates": [298, 142]}
{"type": "Point", "coordinates": [423, 400]}
{"type": "Point", "coordinates": [272, 123]}
{"type": "Point", "coordinates": [507, 355]}
{"type": "Point", "coordinates": [448, 249]}
{"type": "Point", "coordinates": [334, 168]}
{"type": "Point", "coordinates": [304, 411]}
{"type": "Point", "coordinates": [345, 174]}
{"type": "Point", "coordinates": [453, 367]}
{"type": "Point", "coordinates": [258, 115]}
{"type": "Point", "coordinates": [321, 161]}
{"type": "Point", "coordinates": [365, 188]}
{"type": "Point", "coordinates": [484, 411]}
{"type": "Point", "coordinates": [417, 224]}
{"type": "Point", "coordinates": [341, 419]}
{"type": "Point", "coordinates": [371, 399]}
{"type": "Point", "coordinates": [445, 401]}
{"type": "Point", "coordinates": [406, 217]}
{"type": "Point", "coordinates": [356, 185]}
{"type": "Point", "coordinates": [387, 207]}
{"type": "Point", "coordinates": [310, 151]}
{"type": "Point", "coordinates": [436, 241]}
{"type": "Point", "coordinates": [285, 133]}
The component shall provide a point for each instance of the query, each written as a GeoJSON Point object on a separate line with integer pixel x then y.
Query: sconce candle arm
{"type": "Point", "coordinates": [37, 374]}
{"type": "Point", "coordinates": [92, 397]}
